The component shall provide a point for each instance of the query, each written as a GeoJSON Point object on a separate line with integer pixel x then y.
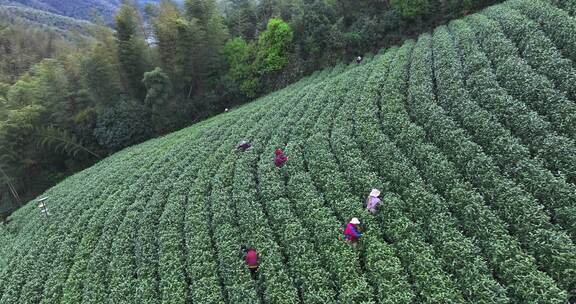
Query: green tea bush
{"type": "Point", "coordinates": [467, 131]}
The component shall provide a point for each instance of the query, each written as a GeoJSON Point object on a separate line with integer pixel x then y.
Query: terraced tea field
{"type": "Point", "coordinates": [469, 131]}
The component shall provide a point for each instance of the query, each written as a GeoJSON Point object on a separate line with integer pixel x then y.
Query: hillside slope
{"type": "Point", "coordinates": [81, 9]}
{"type": "Point", "coordinates": [78, 9]}
{"type": "Point", "coordinates": [65, 26]}
{"type": "Point", "coordinates": [469, 132]}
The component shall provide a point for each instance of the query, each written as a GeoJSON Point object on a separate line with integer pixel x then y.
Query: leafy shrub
{"type": "Point", "coordinates": [122, 125]}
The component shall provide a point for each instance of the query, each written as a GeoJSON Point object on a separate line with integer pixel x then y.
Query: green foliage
{"type": "Point", "coordinates": [84, 10]}
{"type": "Point", "coordinates": [44, 23]}
{"type": "Point", "coordinates": [249, 64]}
{"type": "Point", "coordinates": [21, 47]}
{"type": "Point", "coordinates": [124, 124]}
{"type": "Point", "coordinates": [567, 5]}
{"type": "Point", "coordinates": [411, 9]}
{"type": "Point", "coordinates": [130, 45]}
{"type": "Point", "coordinates": [191, 45]}
{"type": "Point", "coordinates": [273, 46]}
{"type": "Point", "coordinates": [240, 56]}
{"type": "Point", "coordinates": [158, 87]}
{"type": "Point", "coordinates": [60, 141]}
{"type": "Point", "coordinates": [466, 130]}
{"type": "Point", "coordinates": [99, 77]}
{"type": "Point", "coordinates": [241, 19]}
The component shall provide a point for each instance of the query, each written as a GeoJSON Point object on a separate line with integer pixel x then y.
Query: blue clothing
{"type": "Point", "coordinates": [350, 233]}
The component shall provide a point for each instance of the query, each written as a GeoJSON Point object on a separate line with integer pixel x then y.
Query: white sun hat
{"type": "Point", "coordinates": [375, 193]}
{"type": "Point", "coordinates": [355, 221]}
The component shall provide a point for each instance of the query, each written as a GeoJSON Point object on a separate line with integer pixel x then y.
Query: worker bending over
{"type": "Point", "coordinates": [251, 260]}
{"type": "Point", "coordinates": [373, 201]}
{"type": "Point", "coordinates": [352, 232]}
{"type": "Point", "coordinates": [244, 146]}
{"type": "Point", "coordinates": [279, 158]}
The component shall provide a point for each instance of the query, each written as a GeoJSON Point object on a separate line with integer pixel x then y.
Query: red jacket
{"type": "Point", "coordinates": [350, 233]}
{"type": "Point", "coordinates": [251, 259]}
{"type": "Point", "coordinates": [279, 158]}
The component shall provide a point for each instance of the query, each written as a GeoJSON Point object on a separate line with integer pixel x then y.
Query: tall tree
{"type": "Point", "coordinates": [99, 76]}
{"type": "Point", "coordinates": [131, 48]}
{"type": "Point", "coordinates": [158, 90]}
{"type": "Point", "coordinates": [165, 26]}
{"type": "Point", "coordinates": [179, 41]}
{"type": "Point", "coordinates": [213, 34]}
{"type": "Point", "coordinates": [242, 19]}
{"type": "Point", "coordinates": [273, 46]}
{"type": "Point", "coordinates": [240, 56]}
{"type": "Point", "coordinates": [52, 91]}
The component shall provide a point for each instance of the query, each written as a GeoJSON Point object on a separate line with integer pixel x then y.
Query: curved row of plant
{"type": "Point", "coordinates": [382, 265]}
{"type": "Point", "coordinates": [513, 159]}
{"type": "Point", "coordinates": [51, 231]}
{"type": "Point", "coordinates": [408, 235]}
{"type": "Point", "coordinates": [477, 221]}
{"type": "Point", "coordinates": [518, 208]}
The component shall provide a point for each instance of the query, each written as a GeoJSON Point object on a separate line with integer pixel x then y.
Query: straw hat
{"type": "Point", "coordinates": [375, 193]}
{"type": "Point", "coordinates": [355, 221]}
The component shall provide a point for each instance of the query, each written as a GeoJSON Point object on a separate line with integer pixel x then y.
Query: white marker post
{"type": "Point", "coordinates": [43, 207]}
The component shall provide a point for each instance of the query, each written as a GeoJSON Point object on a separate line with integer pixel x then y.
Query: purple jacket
{"type": "Point", "coordinates": [244, 146]}
{"type": "Point", "coordinates": [372, 203]}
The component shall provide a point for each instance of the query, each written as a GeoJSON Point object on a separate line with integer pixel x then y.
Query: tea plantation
{"type": "Point", "coordinates": [469, 131]}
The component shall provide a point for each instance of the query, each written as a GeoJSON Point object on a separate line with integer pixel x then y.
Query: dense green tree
{"type": "Point", "coordinates": [187, 55]}
{"type": "Point", "coordinates": [45, 85]}
{"type": "Point", "coordinates": [165, 25]}
{"type": "Point", "coordinates": [99, 76]}
{"type": "Point", "coordinates": [241, 19]}
{"type": "Point", "coordinates": [179, 41]}
{"type": "Point", "coordinates": [411, 9]}
{"type": "Point", "coordinates": [158, 87]}
{"type": "Point", "coordinates": [202, 10]}
{"type": "Point", "coordinates": [21, 47]}
{"type": "Point", "coordinates": [131, 48]}
{"type": "Point", "coordinates": [3, 99]}
{"type": "Point", "coordinates": [37, 109]}
{"type": "Point", "coordinates": [213, 36]}
{"type": "Point", "coordinates": [273, 46]}
{"type": "Point", "coordinates": [122, 124]}
{"type": "Point", "coordinates": [18, 158]}
{"type": "Point", "coordinates": [240, 56]}
{"type": "Point", "coordinates": [266, 9]}
{"type": "Point", "coordinates": [52, 90]}
{"type": "Point", "coordinates": [21, 93]}
{"type": "Point", "coordinates": [158, 91]}
{"type": "Point", "coordinates": [250, 64]}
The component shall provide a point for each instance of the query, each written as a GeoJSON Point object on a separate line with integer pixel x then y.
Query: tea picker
{"type": "Point", "coordinates": [372, 201]}
{"type": "Point", "coordinates": [251, 259]}
{"type": "Point", "coordinates": [279, 158]}
{"type": "Point", "coordinates": [244, 146]}
{"type": "Point", "coordinates": [353, 232]}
